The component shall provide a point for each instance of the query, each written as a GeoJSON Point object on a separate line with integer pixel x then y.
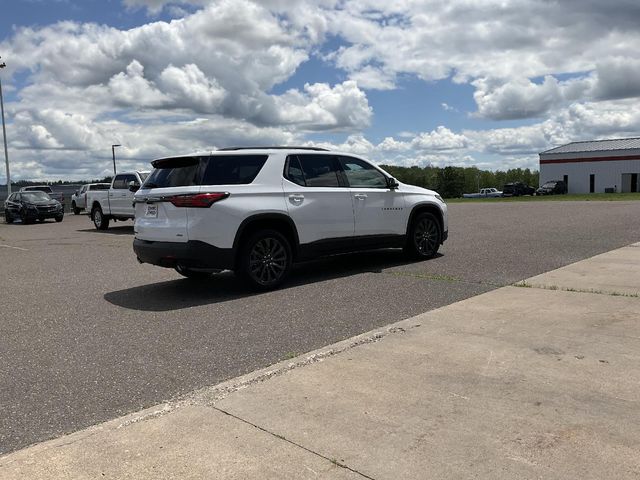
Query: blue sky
{"type": "Point", "coordinates": [413, 82]}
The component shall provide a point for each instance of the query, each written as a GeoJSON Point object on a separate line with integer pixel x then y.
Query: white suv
{"type": "Point", "coordinates": [258, 210]}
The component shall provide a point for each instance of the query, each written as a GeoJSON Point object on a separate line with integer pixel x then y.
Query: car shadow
{"type": "Point", "coordinates": [225, 286]}
{"type": "Point", "coordinates": [124, 230]}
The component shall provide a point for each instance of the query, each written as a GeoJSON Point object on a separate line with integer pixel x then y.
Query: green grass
{"type": "Point", "coordinates": [577, 197]}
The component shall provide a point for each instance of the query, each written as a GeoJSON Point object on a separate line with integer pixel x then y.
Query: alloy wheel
{"type": "Point", "coordinates": [426, 236]}
{"type": "Point", "coordinates": [268, 261]}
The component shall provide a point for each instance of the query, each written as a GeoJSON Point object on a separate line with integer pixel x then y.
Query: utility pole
{"type": "Point", "coordinates": [113, 154]}
{"type": "Point", "coordinates": [4, 135]}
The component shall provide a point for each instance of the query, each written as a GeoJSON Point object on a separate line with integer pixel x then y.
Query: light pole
{"type": "Point", "coordinates": [4, 136]}
{"type": "Point", "coordinates": [113, 154]}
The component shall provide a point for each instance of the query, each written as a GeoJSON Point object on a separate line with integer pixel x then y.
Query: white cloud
{"type": "Point", "coordinates": [439, 139]}
{"type": "Point", "coordinates": [213, 78]}
{"type": "Point", "coordinates": [130, 88]}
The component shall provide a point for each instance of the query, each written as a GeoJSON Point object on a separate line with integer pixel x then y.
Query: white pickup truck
{"type": "Point", "coordinates": [117, 202]}
{"type": "Point", "coordinates": [484, 193]}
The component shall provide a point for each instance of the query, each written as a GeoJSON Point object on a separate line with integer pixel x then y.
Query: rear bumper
{"type": "Point", "coordinates": [191, 254]}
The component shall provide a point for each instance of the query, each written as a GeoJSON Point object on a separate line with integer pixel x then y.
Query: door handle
{"type": "Point", "coordinates": [296, 198]}
{"type": "Point", "coordinates": [360, 196]}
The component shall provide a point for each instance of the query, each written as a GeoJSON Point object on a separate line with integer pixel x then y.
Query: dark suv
{"type": "Point", "coordinates": [32, 206]}
{"type": "Point", "coordinates": [515, 189]}
{"type": "Point", "coordinates": [552, 187]}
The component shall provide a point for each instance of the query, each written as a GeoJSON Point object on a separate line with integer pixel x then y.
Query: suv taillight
{"type": "Point", "coordinates": [197, 200]}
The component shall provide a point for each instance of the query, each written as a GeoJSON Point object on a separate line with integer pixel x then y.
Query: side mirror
{"type": "Point", "coordinates": [77, 192]}
{"type": "Point", "coordinates": [392, 183]}
{"type": "Point", "coordinates": [134, 186]}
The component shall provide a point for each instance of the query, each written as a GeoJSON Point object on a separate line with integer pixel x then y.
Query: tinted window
{"type": "Point", "coordinates": [232, 169]}
{"type": "Point", "coordinates": [102, 186]}
{"type": "Point", "coordinates": [361, 174]}
{"type": "Point", "coordinates": [119, 182]}
{"type": "Point", "coordinates": [211, 170]}
{"type": "Point", "coordinates": [294, 171]}
{"type": "Point", "coordinates": [319, 170]}
{"type": "Point", "coordinates": [174, 172]}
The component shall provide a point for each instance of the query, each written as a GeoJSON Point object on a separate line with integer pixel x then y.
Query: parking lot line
{"type": "Point", "coordinates": [15, 248]}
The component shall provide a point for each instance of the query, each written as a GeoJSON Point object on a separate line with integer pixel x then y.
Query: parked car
{"type": "Point", "coordinates": [257, 211]}
{"type": "Point", "coordinates": [515, 189]}
{"type": "Point", "coordinates": [59, 196]}
{"type": "Point", "coordinates": [30, 206]}
{"type": "Point", "coordinates": [552, 187]}
{"type": "Point", "coordinates": [484, 193]}
{"type": "Point", "coordinates": [116, 203]}
{"type": "Point", "coordinates": [79, 198]}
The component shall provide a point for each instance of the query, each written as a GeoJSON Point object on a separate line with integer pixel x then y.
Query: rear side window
{"type": "Point", "coordinates": [210, 170]}
{"type": "Point", "coordinates": [317, 170]}
{"type": "Point", "coordinates": [232, 169]}
{"type": "Point", "coordinates": [119, 182]}
{"type": "Point", "coordinates": [174, 172]}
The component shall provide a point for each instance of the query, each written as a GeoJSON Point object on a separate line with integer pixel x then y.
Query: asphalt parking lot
{"type": "Point", "coordinates": [89, 334]}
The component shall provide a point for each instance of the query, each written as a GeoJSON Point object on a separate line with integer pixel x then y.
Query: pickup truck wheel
{"type": "Point", "coordinates": [424, 237]}
{"type": "Point", "coordinates": [265, 260]}
{"type": "Point", "coordinates": [76, 210]}
{"type": "Point", "coordinates": [99, 220]}
{"type": "Point", "coordinates": [193, 274]}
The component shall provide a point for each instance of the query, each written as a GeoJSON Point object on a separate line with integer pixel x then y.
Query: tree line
{"type": "Point", "coordinates": [452, 182]}
{"type": "Point", "coordinates": [27, 183]}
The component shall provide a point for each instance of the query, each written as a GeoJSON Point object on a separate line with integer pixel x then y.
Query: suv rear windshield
{"type": "Point", "coordinates": [205, 170]}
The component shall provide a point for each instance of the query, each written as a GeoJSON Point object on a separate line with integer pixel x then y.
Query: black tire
{"type": "Point", "coordinates": [193, 274]}
{"type": "Point", "coordinates": [265, 260]}
{"type": "Point", "coordinates": [7, 217]}
{"type": "Point", "coordinates": [76, 210]}
{"type": "Point", "coordinates": [425, 237]}
{"type": "Point", "coordinates": [100, 221]}
{"type": "Point", "coordinates": [24, 217]}
{"type": "Point", "coordinates": [59, 218]}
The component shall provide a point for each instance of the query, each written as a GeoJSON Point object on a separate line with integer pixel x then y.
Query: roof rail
{"type": "Point", "coordinates": [317, 149]}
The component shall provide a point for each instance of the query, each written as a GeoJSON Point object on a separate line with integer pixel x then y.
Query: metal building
{"type": "Point", "coordinates": [595, 166]}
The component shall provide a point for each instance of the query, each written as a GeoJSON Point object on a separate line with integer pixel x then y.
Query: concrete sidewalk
{"type": "Point", "coordinates": [536, 381]}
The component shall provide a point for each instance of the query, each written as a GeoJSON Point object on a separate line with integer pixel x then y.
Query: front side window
{"type": "Point", "coordinates": [319, 170]}
{"type": "Point", "coordinates": [361, 174]}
